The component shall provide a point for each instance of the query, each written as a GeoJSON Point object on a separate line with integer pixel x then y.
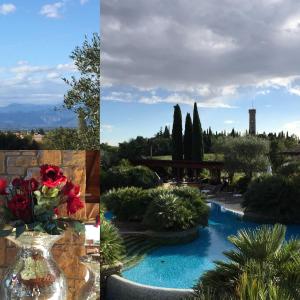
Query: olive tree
{"type": "Point", "coordinates": [247, 154]}
{"type": "Point", "coordinates": [84, 94]}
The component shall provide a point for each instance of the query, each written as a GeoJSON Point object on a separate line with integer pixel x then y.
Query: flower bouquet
{"type": "Point", "coordinates": [30, 205]}
{"type": "Point", "coordinates": [30, 217]}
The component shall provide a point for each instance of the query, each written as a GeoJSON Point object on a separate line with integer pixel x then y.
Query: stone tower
{"type": "Point", "coordinates": [252, 121]}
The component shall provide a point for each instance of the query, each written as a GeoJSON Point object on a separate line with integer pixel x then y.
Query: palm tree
{"type": "Point", "coordinates": [111, 244]}
{"type": "Point", "coordinates": [262, 266]}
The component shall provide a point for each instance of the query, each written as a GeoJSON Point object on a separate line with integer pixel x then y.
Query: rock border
{"type": "Point", "coordinates": [119, 288]}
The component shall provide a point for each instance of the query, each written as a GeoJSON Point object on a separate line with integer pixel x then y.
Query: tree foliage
{"type": "Point", "coordinates": [177, 142]}
{"type": "Point", "coordinates": [246, 154]}
{"type": "Point", "coordinates": [197, 141]}
{"type": "Point", "coordinates": [84, 94]}
{"type": "Point", "coordinates": [188, 138]}
{"type": "Point", "coordinates": [274, 197]}
{"type": "Point", "coordinates": [276, 158]}
{"type": "Point", "coordinates": [261, 266]}
{"type": "Point", "coordinates": [10, 141]}
{"type": "Point", "coordinates": [63, 139]}
{"type": "Point", "coordinates": [122, 176]}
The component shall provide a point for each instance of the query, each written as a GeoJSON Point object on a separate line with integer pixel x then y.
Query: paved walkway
{"type": "Point", "coordinates": [228, 200]}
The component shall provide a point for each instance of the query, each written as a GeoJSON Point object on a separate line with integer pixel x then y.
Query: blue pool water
{"type": "Point", "coordinates": [181, 266]}
{"type": "Point", "coordinates": [108, 215]}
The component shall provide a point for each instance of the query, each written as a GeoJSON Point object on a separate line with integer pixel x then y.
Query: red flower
{"type": "Point", "coordinates": [17, 182]}
{"type": "Point", "coordinates": [52, 176]}
{"type": "Point", "coordinates": [71, 190]}
{"type": "Point", "coordinates": [3, 185]}
{"type": "Point", "coordinates": [55, 210]}
{"type": "Point", "coordinates": [27, 186]}
{"type": "Point", "coordinates": [19, 205]}
{"type": "Point", "coordinates": [33, 183]}
{"type": "Point", "coordinates": [74, 204]}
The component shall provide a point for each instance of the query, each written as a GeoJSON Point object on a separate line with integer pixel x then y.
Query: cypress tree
{"type": "Point", "coordinates": [166, 133]}
{"type": "Point", "coordinates": [197, 142]}
{"type": "Point", "coordinates": [188, 138]}
{"type": "Point", "coordinates": [177, 145]}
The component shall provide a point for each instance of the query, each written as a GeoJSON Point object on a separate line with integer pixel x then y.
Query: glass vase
{"type": "Point", "coordinates": [34, 275]}
{"type": "Point", "coordinates": [91, 289]}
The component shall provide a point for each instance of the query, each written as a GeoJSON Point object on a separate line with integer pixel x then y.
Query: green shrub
{"type": "Point", "coordinates": [168, 212]}
{"type": "Point", "coordinates": [127, 204]}
{"type": "Point", "coordinates": [160, 209]}
{"type": "Point", "coordinates": [112, 248]}
{"type": "Point", "coordinates": [289, 169]}
{"type": "Point", "coordinates": [277, 197]}
{"type": "Point", "coordinates": [175, 209]}
{"type": "Point", "coordinates": [126, 175]}
{"type": "Point", "coordinates": [242, 184]}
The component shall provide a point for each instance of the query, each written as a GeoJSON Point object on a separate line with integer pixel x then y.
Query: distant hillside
{"type": "Point", "coordinates": [27, 116]}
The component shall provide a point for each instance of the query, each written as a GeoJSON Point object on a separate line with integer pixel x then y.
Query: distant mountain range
{"type": "Point", "coordinates": [28, 116]}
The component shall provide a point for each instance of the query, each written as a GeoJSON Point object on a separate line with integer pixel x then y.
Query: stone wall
{"type": "Point", "coordinates": [26, 163]}
{"type": "Point", "coordinates": [68, 250]}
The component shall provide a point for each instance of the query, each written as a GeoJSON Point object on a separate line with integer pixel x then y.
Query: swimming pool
{"type": "Point", "coordinates": [181, 266]}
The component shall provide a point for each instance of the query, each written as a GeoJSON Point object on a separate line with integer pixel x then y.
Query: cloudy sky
{"type": "Point", "coordinates": [36, 39]}
{"type": "Point", "coordinates": [225, 55]}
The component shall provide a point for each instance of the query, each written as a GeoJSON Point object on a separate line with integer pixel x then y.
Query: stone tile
{"type": "Point", "coordinates": [18, 171]}
{"type": "Point", "coordinates": [12, 153]}
{"type": "Point", "coordinates": [20, 161]}
{"type": "Point", "coordinates": [51, 157]}
{"type": "Point", "coordinates": [33, 172]}
{"type": "Point", "coordinates": [73, 158]}
{"type": "Point", "coordinates": [29, 153]}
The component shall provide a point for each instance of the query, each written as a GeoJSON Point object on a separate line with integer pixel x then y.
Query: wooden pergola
{"type": "Point", "coordinates": [214, 167]}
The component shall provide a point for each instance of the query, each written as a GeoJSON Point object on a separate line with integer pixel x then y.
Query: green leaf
{"type": "Point", "coordinates": [44, 189]}
{"type": "Point", "coordinates": [52, 192]}
{"type": "Point", "coordinates": [37, 194]}
{"type": "Point", "coordinates": [4, 233]}
{"type": "Point", "coordinates": [38, 227]}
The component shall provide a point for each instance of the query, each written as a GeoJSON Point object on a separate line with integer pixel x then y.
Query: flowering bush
{"type": "Point", "coordinates": [31, 205]}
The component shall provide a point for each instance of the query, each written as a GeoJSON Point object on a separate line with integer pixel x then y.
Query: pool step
{"type": "Point", "coordinates": [136, 248]}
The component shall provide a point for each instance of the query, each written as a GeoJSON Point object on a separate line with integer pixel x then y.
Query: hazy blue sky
{"type": "Point", "coordinates": [36, 39]}
{"type": "Point", "coordinates": [222, 54]}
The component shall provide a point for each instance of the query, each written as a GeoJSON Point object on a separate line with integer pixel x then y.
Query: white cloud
{"type": "Point", "coordinates": [295, 90]}
{"type": "Point", "coordinates": [263, 92]}
{"type": "Point", "coordinates": [184, 99]}
{"type": "Point", "coordinates": [52, 10]}
{"type": "Point", "coordinates": [34, 83]}
{"type": "Point", "coordinates": [292, 127]}
{"type": "Point", "coordinates": [82, 2]}
{"type": "Point", "coordinates": [106, 127]}
{"type": "Point", "coordinates": [69, 67]}
{"type": "Point", "coordinates": [229, 122]}
{"type": "Point", "coordinates": [7, 8]}
{"type": "Point", "coordinates": [248, 46]}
